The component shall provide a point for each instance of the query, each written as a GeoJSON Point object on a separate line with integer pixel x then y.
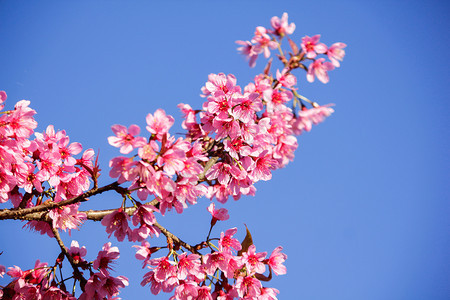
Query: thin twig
{"type": "Point", "coordinates": [77, 273]}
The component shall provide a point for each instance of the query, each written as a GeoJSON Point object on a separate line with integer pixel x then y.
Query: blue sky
{"type": "Point", "coordinates": [362, 212]}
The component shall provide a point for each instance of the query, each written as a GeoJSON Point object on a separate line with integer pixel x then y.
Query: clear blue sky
{"type": "Point", "coordinates": [362, 212]}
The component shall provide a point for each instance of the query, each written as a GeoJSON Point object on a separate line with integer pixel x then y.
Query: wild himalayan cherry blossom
{"type": "Point", "coordinates": [246, 132]}
{"type": "Point", "coordinates": [312, 47]}
{"type": "Point", "coordinates": [336, 53]}
{"type": "Point", "coordinates": [263, 41]}
{"type": "Point", "coordinates": [126, 139]}
{"type": "Point", "coordinates": [319, 69]}
{"type": "Point", "coordinates": [281, 26]}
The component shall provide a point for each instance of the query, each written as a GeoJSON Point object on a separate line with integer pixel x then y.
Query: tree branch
{"type": "Point", "coordinates": [18, 213]}
{"type": "Point", "coordinates": [77, 273]}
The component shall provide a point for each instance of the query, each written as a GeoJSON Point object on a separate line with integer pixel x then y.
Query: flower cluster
{"type": "Point", "coordinates": [41, 282]}
{"type": "Point", "coordinates": [36, 283]}
{"type": "Point", "coordinates": [41, 168]}
{"type": "Point", "coordinates": [266, 39]}
{"type": "Point", "coordinates": [238, 137]}
{"type": "Point", "coordinates": [101, 284]}
{"type": "Point", "coordinates": [228, 272]}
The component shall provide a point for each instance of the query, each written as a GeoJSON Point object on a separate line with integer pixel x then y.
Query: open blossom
{"type": "Point", "coordinates": [144, 215]}
{"type": "Point", "coordinates": [248, 287]}
{"type": "Point", "coordinates": [103, 286]}
{"type": "Point", "coordinates": [319, 69]}
{"type": "Point", "coordinates": [67, 217]}
{"type": "Point", "coordinates": [254, 261]}
{"type": "Point", "coordinates": [281, 26]}
{"type": "Point", "coordinates": [220, 82]}
{"type": "Point", "coordinates": [336, 53]}
{"type": "Point", "coordinates": [286, 79]}
{"type": "Point", "coordinates": [227, 242]}
{"type": "Point", "coordinates": [143, 252]}
{"type": "Point", "coordinates": [306, 117]}
{"type": "Point", "coordinates": [159, 123]}
{"type": "Point", "coordinates": [248, 50]}
{"type": "Point", "coordinates": [76, 252]}
{"type": "Point", "coordinates": [220, 214]}
{"type": "Point", "coordinates": [163, 268]}
{"type": "Point", "coordinates": [189, 265]}
{"type": "Point", "coordinates": [117, 222]}
{"type": "Point", "coordinates": [268, 294]}
{"type": "Point", "coordinates": [263, 41]}
{"type": "Point", "coordinates": [312, 47]}
{"type": "Point", "coordinates": [245, 108]}
{"type": "Point", "coordinates": [276, 261]}
{"type": "Point", "coordinates": [105, 257]}
{"type": "Point", "coordinates": [125, 139]}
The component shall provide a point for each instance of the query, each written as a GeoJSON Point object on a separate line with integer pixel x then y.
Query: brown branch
{"type": "Point", "coordinates": [98, 215]}
{"type": "Point", "coordinates": [18, 213]}
{"type": "Point", "coordinates": [77, 273]}
{"type": "Point", "coordinates": [170, 235]}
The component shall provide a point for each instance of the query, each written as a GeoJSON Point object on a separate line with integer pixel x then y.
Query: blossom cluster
{"type": "Point", "coordinates": [228, 273]}
{"type": "Point", "coordinates": [42, 283]}
{"type": "Point", "coordinates": [265, 39]}
{"type": "Point", "coordinates": [238, 137]}
{"type": "Point", "coordinates": [41, 168]}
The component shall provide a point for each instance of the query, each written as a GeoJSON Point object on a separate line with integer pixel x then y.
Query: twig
{"type": "Point", "coordinates": [77, 273]}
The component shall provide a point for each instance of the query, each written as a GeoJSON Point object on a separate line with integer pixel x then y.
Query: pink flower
{"type": "Point", "coordinates": [189, 265]}
{"type": "Point", "coordinates": [172, 161]}
{"type": "Point", "coordinates": [306, 117]}
{"type": "Point", "coordinates": [220, 82]}
{"type": "Point", "coordinates": [254, 261]}
{"type": "Point", "coordinates": [105, 257]}
{"type": "Point", "coordinates": [219, 105]}
{"type": "Point", "coordinates": [223, 172]}
{"type": "Point", "coordinates": [249, 51]}
{"type": "Point", "coordinates": [264, 163]}
{"type": "Point", "coordinates": [218, 214]}
{"type": "Point", "coordinates": [125, 139]}
{"type": "Point", "coordinates": [215, 260]}
{"type": "Point", "coordinates": [236, 147]}
{"type": "Point", "coordinates": [248, 287]}
{"type": "Point", "coordinates": [263, 41]}
{"type": "Point", "coordinates": [186, 291]}
{"type": "Point", "coordinates": [144, 215]}
{"type": "Point", "coordinates": [67, 217]}
{"type": "Point", "coordinates": [319, 68]}
{"type": "Point", "coordinates": [164, 268]}
{"type": "Point", "coordinates": [227, 242]}
{"type": "Point", "coordinates": [204, 293]}
{"type": "Point", "coordinates": [312, 47]}
{"type": "Point", "coordinates": [102, 285]}
{"type": "Point", "coordinates": [117, 222]}
{"type": "Point", "coordinates": [143, 252]}
{"type": "Point", "coordinates": [268, 294]}
{"type": "Point", "coordinates": [76, 252]}
{"type": "Point", "coordinates": [121, 167]}
{"type": "Point", "coordinates": [155, 286]}
{"type": "Point", "coordinates": [245, 108]}
{"type": "Point", "coordinates": [281, 27]}
{"type": "Point", "coordinates": [159, 123]}
{"type": "Point", "coordinates": [2, 99]}
{"type": "Point", "coordinates": [286, 79]}
{"type": "Point", "coordinates": [336, 53]}
{"type": "Point", "coordinates": [276, 261]}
